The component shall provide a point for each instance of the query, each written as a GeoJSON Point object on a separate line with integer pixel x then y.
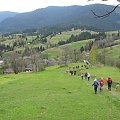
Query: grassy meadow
{"type": "Point", "coordinates": [64, 36]}
{"type": "Point", "coordinates": [55, 95]}
{"type": "Point", "coordinates": [114, 51]}
{"type": "Point", "coordinates": [57, 51]}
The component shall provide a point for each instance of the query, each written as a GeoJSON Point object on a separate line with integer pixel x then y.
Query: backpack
{"type": "Point", "coordinates": [109, 81]}
{"type": "Point", "coordinates": [101, 82]}
{"type": "Point", "coordinates": [96, 83]}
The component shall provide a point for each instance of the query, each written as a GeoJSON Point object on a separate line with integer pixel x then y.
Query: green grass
{"type": "Point", "coordinates": [114, 51]}
{"type": "Point", "coordinates": [53, 52]}
{"type": "Point", "coordinates": [54, 40]}
{"type": "Point", "coordinates": [117, 41]}
{"type": "Point", "coordinates": [78, 45]}
{"type": "Point", "coordinates": [101, 71]}
{"type": "Point", "coordinates": [8, 42]}
{"type": "Point", "coordinates": [57, 51]}
{"type": "Point", "coordinates": [64, 36]}
{"type": "Point", "coordinates": [55, 95]}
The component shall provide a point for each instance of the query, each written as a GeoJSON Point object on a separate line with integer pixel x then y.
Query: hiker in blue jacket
{"type": "Point", "coordinates": [95, 84]}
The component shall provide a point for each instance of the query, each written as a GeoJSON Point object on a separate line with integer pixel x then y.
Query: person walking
{"type": "Point", "coordinates": [71, 70]}
{"type": "Point", "coordinates": [95, 84]}
{"type": "Point", "coordinates": [101, 83]}
{"type": "Point", "coordinates": [82, 76]}
{"type": "Point", "coordinates": [109, 81]}
{"type": "Point", "coordinates": [88, 76]}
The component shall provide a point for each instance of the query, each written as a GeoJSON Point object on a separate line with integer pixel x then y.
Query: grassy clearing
{"type": "Point", "coordinates": [55, 95]}
{"type": "Point", "coordinates": [114, 52]}
{"type": "Point", "coordinates": [117, 41]}
{"type": "Point", "coordinates": [78, 45]}
{"type": "Point", "coordinates": [64, 36]}
{"type": "Point", "coordinates": [53, 52]}
{"type": "Point", "coordinates": [57, 51]}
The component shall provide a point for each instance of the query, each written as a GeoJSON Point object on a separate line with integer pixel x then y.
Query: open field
{"type": "Point", "coordinates": [57, 51]}
{"type": "Point", "coordinates": [55, 95]}
{"type": "Point", "coordinates": [117, 41]}
{"type": "Point", "coordinates": [66, 35]}
{"type": "Point", "coordinates": [114, 52]}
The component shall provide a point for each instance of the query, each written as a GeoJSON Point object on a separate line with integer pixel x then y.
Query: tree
{"type": "Point", "coordinates": [76, 55]}
{"type": "Point", "coordinates": [107, 13]}
{"type": "Point", "coordinates": [66, 54]}
{"type": "Point", "coordinates": [14, 62]}
{"type": "Point", "coordinates": [93, 55]}
{"type": "Point", "coordinates": [118, 64]}
{"type": "Point", "coordinates": [81, 49]}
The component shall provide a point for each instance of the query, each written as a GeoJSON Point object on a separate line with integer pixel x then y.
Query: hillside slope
{"type": "Point", "coordinates": [53, 15]}
{"type": "Point", "coordinates": [53, 94]}
{"type": "Point", "coordinates": [6, 14]}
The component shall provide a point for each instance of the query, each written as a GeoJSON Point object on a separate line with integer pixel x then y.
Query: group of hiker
{"type": "Point", "coordinates": [101, 84]}
{"type": "Point", "coordinates": [86, 75]}
{"type": "Point", "coordinates": [98, 83]}
{"type": "Point", "coordinates": [73, 70]}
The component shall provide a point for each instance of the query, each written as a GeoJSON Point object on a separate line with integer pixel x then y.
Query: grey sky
{"type": "Point", "coordinates": [30, 5]}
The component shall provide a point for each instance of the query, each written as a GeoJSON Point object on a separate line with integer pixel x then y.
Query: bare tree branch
{"type": "Point", "coordinates": [106, 14]}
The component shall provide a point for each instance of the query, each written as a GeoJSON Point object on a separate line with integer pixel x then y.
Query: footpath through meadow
{"type": "Point", "coordinates": [54, 95]}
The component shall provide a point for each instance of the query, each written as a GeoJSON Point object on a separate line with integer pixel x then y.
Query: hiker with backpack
{"type": "Point", "coordinates": [109, 81]}
{"type": "Point", "coordinates": [88, 76]}
{"type": "Point", "coordinates": [101, 83]}
{"type": "Point", "coordinates": [95, 84]}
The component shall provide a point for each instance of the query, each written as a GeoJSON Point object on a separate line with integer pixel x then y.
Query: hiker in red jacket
{"type": "Point", "coordinates": [101, 83]}
{"type": "Point", "coordinates": [109, 81]}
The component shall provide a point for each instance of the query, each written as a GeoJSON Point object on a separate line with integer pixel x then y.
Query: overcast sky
{"type": "Point", "coordinates": [30, 5]}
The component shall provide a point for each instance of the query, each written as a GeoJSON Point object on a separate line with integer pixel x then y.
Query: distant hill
{"type": "Point", "coordinates": [53, 15]}
{"type": "Point", "coordinates": [6, 14]}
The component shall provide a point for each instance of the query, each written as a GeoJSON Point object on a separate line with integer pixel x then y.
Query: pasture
{"type": "Point", "coordinates": [57, 51]}
{"type": "Point", "coordinates": [55, 95]}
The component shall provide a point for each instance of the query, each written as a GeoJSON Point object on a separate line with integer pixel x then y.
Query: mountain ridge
{"type": "Point", "coordinates": [6, 14]}
{"type": "Point", "coordinates": [53, 15]}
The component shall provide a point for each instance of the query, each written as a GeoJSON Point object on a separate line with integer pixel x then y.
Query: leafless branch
{"type": "Point", "coordinates": [106, 14]}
